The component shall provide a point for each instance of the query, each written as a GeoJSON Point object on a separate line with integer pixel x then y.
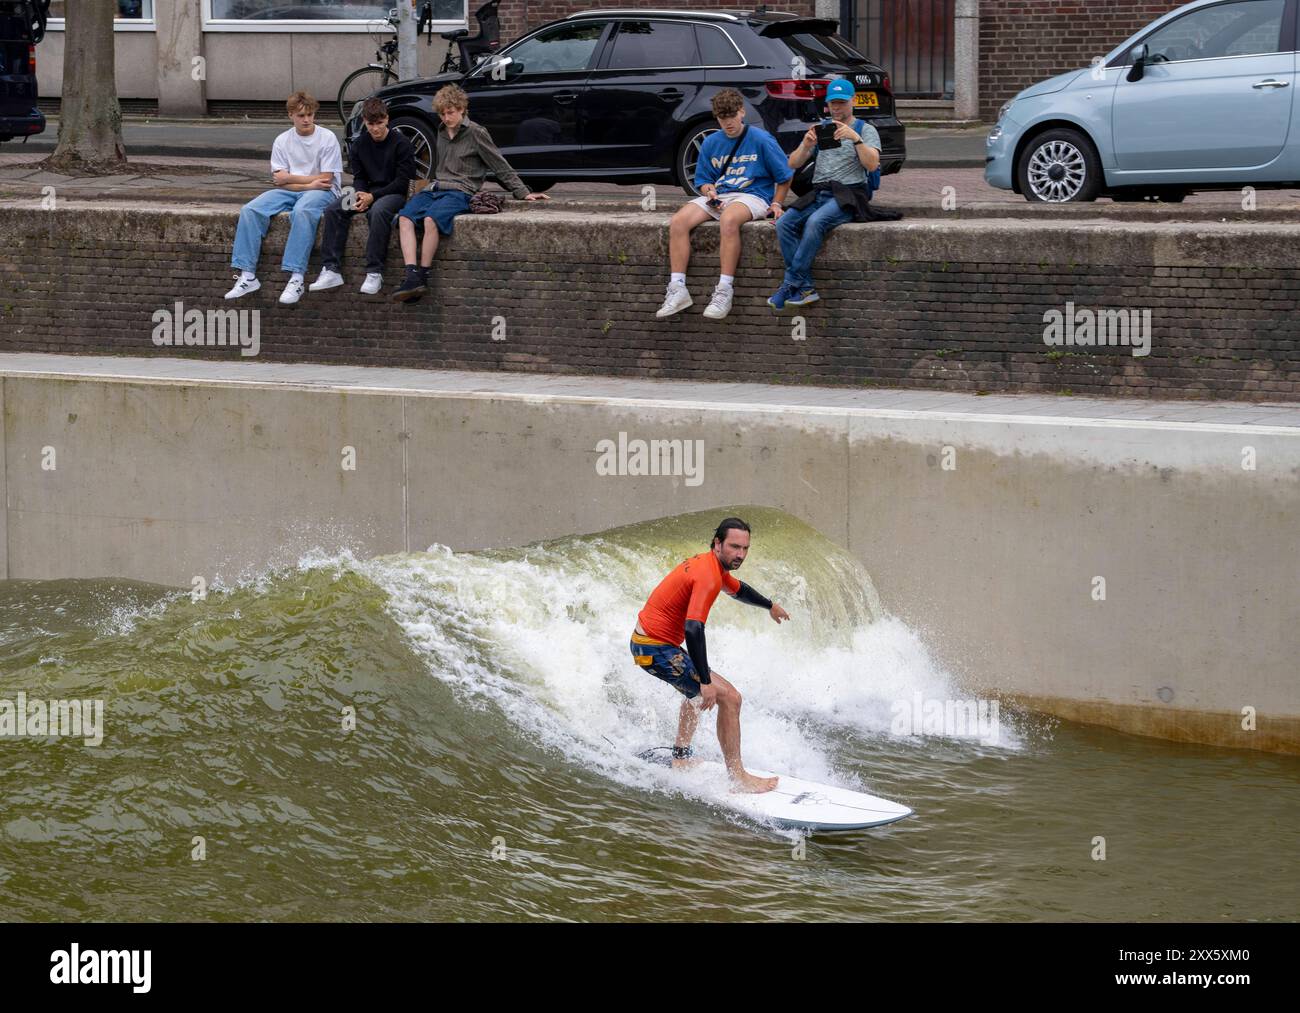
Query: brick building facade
{"type": "Point", "coordinates": [1023, 41]}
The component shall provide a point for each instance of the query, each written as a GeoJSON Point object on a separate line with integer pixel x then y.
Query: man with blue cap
{"type": "Point", "coordinates": [841, 192]}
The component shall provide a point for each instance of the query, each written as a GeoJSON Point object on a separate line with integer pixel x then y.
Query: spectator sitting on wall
{"type": "Point", "coordinates": [841, 192]}
{"type": "Point", "coordinates": [465, 155]}
{"type": "Point", "coordinates": [743, 176]}
{"type": "Point", "coordinates": [383, 164]}
{"type": "Point", "coordinates": [307, 167]}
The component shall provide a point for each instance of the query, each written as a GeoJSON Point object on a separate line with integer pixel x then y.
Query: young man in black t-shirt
{"type": "Point", "coordinates": [383, 165]}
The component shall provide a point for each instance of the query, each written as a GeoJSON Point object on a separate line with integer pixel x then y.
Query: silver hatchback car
{"type": "Point", "coordinates": [1200, 99]}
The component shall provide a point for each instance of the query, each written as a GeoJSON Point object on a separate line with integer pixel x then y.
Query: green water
{"type": "Point", "coordinates": [490, 772]}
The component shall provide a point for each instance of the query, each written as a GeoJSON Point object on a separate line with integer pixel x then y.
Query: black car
{"type": "Point", "coordinates": [22, 26]}
{"type": "Point", "coordinates": [623, 95]}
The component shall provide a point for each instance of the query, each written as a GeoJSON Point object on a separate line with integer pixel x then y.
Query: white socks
{"type": "Point", "coordinates": [726, 280]}
{"type": "Point", "coordinates": [677, 279]}
{"type": "Point", "coordinates": [246, 276]}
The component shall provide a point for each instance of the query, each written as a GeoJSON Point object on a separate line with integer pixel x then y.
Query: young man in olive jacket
{"type": "Point", "coordinates": [465, 154]}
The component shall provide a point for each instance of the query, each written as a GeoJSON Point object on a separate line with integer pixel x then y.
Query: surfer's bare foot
{"type": "Point", "coordinates": [749, 784]}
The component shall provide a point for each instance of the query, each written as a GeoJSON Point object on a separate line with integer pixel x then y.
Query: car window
{"type": "Point", "coordinates": [651, 44]}
{"type": "Point", "coordinates": [820, 48]}
{"type": "Point", "coordinates": [565, 48]}
{"type": "Point", "coordinates": [1245, 28]}
{"type": "Point", "coordinates": [716, 50]}
{"type": "Point", "coordinates": [14, 29]}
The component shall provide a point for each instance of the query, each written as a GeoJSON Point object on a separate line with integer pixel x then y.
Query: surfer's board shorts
{"type": "Point", "coordinates": [667, 662]}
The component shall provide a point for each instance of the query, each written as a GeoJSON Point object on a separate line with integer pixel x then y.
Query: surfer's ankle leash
{"type": "Point", "coordinates": [683, 752]}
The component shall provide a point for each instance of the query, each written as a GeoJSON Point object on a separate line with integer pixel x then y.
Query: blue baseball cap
{"type": "Point", "coordinates": [840, 88]}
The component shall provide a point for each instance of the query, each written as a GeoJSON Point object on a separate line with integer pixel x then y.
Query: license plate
{"type": "Point", "coordinates": [866, 100]}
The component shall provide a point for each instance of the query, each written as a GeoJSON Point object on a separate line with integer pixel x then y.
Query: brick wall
{"type": "Point", "coordinates": [519, 16]}
{"type": "Point", "coordinates": [1025, 41]}
{"type": "Point", "coordinates": [951, 305]}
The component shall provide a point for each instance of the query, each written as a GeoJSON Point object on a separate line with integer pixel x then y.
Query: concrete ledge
{"type": "Point", "coordinates": [957, 305]}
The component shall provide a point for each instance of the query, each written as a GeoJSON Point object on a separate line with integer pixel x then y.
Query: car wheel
{"type": "Point", "coordinates": [539, 185]}
{"type": "Point", "coordinates": [688, 155]}
{"type": "Point", "coordinates": [421, 136]}
{"type": "Point", "coordinates": [1059, 167]}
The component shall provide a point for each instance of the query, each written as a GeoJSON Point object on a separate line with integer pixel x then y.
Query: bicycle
{"type": "Point", "coordinates": [365, 81]}
{"type": "Point", "coordinates": [471, 48]}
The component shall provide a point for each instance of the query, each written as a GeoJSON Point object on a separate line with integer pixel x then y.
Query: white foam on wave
{"type": "Point", "coordinates": [543, 634]}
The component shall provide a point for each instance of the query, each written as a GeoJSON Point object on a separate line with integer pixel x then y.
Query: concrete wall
{"type": "Point", "coordinates": [240, 66]}
{"type": "Point", "coordinates": [993, 559]}
{"type": "Point", "coordinates": [135, 68]}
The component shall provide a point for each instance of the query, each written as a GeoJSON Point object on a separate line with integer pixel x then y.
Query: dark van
{"type": "Point", "coordinates": [22, 26]}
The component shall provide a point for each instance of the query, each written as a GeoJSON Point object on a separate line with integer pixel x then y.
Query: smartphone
{"type": "Point", "coordinates": [826, 135]}
{"type": "Point", "coordinates": [713, 202]}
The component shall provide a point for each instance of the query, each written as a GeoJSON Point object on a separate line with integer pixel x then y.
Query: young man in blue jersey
{"type": "Point", "coordinates": [841, 193]}
{"type": "Point", "coordinates": [742, 175]}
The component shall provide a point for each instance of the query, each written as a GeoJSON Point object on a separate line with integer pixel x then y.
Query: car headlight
{"type": "Point", "coordinates": [1006, 107]}
{"type": "Point", "coordinates": [995, 134]}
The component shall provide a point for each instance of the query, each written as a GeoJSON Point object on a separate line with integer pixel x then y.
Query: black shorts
{"type": "Point", "coordinates": [667, 662]}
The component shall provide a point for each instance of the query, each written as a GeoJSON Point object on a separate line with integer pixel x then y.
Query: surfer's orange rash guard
{"type": "Point", "coordinates": [687, 593]}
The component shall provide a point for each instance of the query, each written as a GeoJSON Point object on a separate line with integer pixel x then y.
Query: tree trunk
{"type": "Point", "coordinates": [90, 120]}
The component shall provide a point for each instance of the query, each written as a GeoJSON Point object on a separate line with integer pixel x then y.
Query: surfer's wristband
{"type": "Point", "coordinates": [751, 597]}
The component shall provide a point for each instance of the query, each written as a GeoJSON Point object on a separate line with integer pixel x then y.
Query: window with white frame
{"type": "Point", "coordinates": [305, 13]}
{"type": "Point", "coordinates": [130, 13]}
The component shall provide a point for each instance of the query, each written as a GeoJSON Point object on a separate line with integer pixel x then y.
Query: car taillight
{"type": "Point", "coordinates": [886, 86]}
{"type": "Point", "coordinates": [798, 88]}
{"type": "Point", "coordinates": [31, 58]}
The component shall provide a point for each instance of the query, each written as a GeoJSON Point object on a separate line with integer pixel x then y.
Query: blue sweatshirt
{"type": "Point", "coordinates": [757, 167]}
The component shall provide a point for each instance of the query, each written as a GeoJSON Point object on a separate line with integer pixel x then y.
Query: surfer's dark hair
{"type": "Point", "coordinates": [721, 534]}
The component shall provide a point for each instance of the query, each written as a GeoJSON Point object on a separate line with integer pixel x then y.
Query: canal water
{"type": "Point", "coordinates": [448, 736]}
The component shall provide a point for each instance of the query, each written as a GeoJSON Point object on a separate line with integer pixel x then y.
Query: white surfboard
{"type": "Point", "coordinates": [795, 804]}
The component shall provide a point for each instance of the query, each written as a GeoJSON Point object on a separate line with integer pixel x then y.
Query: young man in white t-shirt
{"type": "Point", "coordinates": [307, 167]}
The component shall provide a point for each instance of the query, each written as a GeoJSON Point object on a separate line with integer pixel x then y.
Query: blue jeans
{"type": "Point", "coordinates": [801, 234]}
{"type": "Point", "coordinates": [305, 208]}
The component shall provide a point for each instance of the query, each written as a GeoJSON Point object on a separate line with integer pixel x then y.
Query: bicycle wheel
{"type": "Point", "coordinates": [361, 84]}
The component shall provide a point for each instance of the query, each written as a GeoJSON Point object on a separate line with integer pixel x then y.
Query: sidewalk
{"type": "Point", "coordinates": [927, 147]}
{"type": "Point", "coordinates": [194, 182]}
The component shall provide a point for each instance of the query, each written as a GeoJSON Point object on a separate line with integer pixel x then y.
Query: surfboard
{"type": "Point", "coordinates": [795, 804]}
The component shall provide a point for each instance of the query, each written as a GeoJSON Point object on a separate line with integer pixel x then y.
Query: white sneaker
{"type": "Point", "coordinates": [292, 292]}
{"type": "Point", "coordinates": [675, 301]}
{"type": "Point", "coordinates": [327, 279]}
{"type": "Point", "coordinates": [243, 286]}
{"type": "Point", "coordinates": [720, 305]}
{"type": "Point", "coordinates": [372, 284]}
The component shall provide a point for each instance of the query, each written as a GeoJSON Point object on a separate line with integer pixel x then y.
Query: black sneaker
{"type": "Point", "coordinates": [413, 286]}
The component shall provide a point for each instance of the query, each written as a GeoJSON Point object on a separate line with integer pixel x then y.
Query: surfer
{"type": "Point", "coordinates": [677, 610]}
